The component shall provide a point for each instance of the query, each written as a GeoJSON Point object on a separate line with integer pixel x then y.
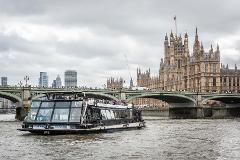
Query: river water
{"type": "Point", "coordinates": [161, 139]}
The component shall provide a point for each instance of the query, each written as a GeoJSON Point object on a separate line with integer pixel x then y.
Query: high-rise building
{"type": "Point", "coordinates": [57, 83]}
{"type": "Point", "coordinates": [43, 79]}
{"type": "Point", "coordinates": [4, 81]}
{"type": "Point", "coordinates": [54, 84]}
{"type": "Point", "coordinates": [70, 78]}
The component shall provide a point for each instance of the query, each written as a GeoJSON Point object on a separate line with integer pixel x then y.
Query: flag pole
{"type": "Point", "coordinates": [175, 19]}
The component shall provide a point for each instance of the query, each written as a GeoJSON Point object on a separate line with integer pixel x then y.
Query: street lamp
{"type": "Point", "coordinates": [26, 78]}
{"type": "Point", "coordinates": [20, 84]}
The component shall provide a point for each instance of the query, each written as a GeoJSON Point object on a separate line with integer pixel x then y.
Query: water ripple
{"type": "Point", "coordinates": [161, 139]}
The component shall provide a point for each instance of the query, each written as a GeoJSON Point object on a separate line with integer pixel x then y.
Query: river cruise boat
{"type": "Point", "coordinates": [67, 116]}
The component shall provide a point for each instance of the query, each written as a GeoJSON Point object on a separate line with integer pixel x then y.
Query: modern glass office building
{"type": "Point", "coordinates": [70, 78]}
{"type": "Point", "coordinates": [43, 79]}
{"type": "Point", "coordinates": [57, 83]}
{"type": "Point", "coordinates": [4, 81]}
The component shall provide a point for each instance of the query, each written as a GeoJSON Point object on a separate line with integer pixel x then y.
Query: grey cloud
{"type": "Point", "coordinates": [144, 22]}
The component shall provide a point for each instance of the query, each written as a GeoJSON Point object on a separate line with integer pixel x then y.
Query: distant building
{"type": "Point", "coordinates": [54, 84]}
{"type": "Point", "coordinates": [70, 78]}
{"type": "Point", "coordinates": [43, 79]}
{"type": "Point", "coordinates": [5, 103]}
{"type": "Point", "coordinates": [115, 84]}
{"type": "Point", "coordinates": [131, 84]}
{"type": "Point", "coordinates": [4, 81]}
{"type": "Point", "coordinates": [57, 83]}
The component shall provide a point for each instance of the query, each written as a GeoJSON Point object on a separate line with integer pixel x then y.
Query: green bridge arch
{"type": "Point", "coordinates": [169, 98]}
{"type": "Point", "coordinates": [12, 97]}
{"type": "Point", "coordinates": [227, 99]}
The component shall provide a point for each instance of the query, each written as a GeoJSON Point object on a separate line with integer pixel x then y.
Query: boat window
{"type": "Point", "coordinates": [32, 114]}
{"type": "Point", "coordinates": [62, 104]}
{"type": "Point", "coordinates": [47, 104]}
{"type": "Point", "coordinates": [76, 103]}
{"type": "Point", "coordinates": [35, 104]}
{"type": "Point", "coordinates": [103, 113]}
{"type": "Point", "coordinates": [75, 115]}
{"type": "Point", "coordinates": [44, 115]}
{"type": "Point", "coordinates": [112, 114]}
{"type": "Point", "coordinates": [60, 115]}
{"type": "Point", "coordinates": [121, 114]}
{"type": "Point", "coordinates": [108, 114]}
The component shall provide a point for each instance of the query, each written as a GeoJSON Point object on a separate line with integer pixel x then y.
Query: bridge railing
{"type": "Point", "coordinates": [80, 88]}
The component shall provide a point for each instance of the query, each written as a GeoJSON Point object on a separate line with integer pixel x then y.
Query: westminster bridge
{"type": "Point", "coordinates": [22, 96]}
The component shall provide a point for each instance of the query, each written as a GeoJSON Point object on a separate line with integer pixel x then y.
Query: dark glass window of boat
{"type": "Point", "coordinates": [35, 104]}
{"type": "Point", "coordinates": [45, 111]}
{"type": "Point", "coordinates": [76, 104]}
{"type": "Point", "coordinates": [60, 115]}
{"type": "Point", "coordinates": [61, 112]}
{"type": "Point", "coordinates": [33, 111]}
{"type": "Point", "coordinates": [44, 114]}
{"type": "Point", "coordinates": [47, 104]}
{"type": "Point", "coordinates": [62, 104]}
{"type": "Point", "coordinates": [75, 111]}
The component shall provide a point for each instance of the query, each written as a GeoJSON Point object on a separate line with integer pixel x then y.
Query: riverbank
{"type": "Point", "coordinates": [194, 112]}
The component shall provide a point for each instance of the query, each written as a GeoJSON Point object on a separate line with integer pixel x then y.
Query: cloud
{"type": "Point", "coordinates": [100, 38]}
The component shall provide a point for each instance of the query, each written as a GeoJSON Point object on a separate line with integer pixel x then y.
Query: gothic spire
{"type": "Point", "coordinates": [196, 46]}
{"type": "Point", "coordinates": [202, 49]}
{"type": "Point", "coordinates": [196, 35]}
{"type": "Point", "coordinates": [166, 37]}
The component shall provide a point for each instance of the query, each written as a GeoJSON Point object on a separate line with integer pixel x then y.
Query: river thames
{"type": "Point", "coordinates": [161, 139]}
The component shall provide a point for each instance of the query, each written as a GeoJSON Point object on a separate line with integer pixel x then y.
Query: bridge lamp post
{"type": "Point", "coordinates": [26, 78]}
{"type": "Point", "coordinates": [20, 84]}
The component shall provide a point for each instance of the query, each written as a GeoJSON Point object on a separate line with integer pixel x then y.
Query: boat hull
{"type": "Point", "coordinates": [99, 129]}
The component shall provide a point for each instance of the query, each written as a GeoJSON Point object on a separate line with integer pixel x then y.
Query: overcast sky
{"type": "Point", "coordinates": [98, 38]}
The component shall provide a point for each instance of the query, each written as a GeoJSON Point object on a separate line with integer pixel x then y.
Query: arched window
{"type": "Point", "coordinates": [214, 81]}
{"type": "Point", "coordinates": [179, 63]}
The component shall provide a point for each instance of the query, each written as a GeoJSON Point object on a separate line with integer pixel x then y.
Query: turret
{"type": "Point", "coordinates": [131, 83]}
{"type": "Point", "coordinates": [211, 50]}
{"type": "Point", "coordinates": [202, 49]}
{"type": "Point", "coordinates": [171, 37]}
{"type": "Point", "coordinates": [186, 41]}
{"type": "Point", "coordinates": [180, 40]}
{"type": "Point", "coordinates": [166, 44]}
{"type": "Point", "coordinates": [196, 46]}
{"type": "Point", "coordinates": [166, 40]}
{"type": "Point", "coordinates": [217, 53]}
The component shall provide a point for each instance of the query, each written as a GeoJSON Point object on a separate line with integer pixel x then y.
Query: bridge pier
{"type": "Point", "coordinates": [24, 106]}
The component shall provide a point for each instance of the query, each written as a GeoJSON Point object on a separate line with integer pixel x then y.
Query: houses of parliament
{"type": "Point", "coordinates": [180, 70]}
{"type": "Point", "coordinates": [200, 71]}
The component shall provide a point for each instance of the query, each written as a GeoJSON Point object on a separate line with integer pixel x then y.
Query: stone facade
{"type": "Point", "coordinates": [147, 103]}
{"type": "Point", "coordinates": [230, 79]}
{"type": "Point", "coordinates": [200, 71]}
{"type": "Point", "coordinates": [115, 84]}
